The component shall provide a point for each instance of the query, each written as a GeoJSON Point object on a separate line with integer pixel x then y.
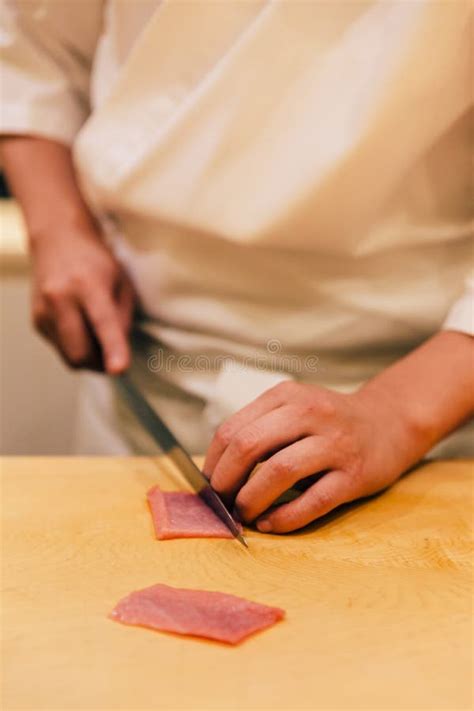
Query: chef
{"type": "Point", "coordinates": [262, 208]}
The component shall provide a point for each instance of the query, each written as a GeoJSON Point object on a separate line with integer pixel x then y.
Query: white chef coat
{"type": "Point", "coordinates": [286, 182]}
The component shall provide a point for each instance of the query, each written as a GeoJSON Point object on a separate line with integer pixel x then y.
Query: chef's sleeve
{"type": "Point", "coordinates": [47, 49]}
{"type": "Point", "coordinates": [461, 314]}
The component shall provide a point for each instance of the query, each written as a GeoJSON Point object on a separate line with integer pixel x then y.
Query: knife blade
{"type": "Point", "coordinates": [163, 436]}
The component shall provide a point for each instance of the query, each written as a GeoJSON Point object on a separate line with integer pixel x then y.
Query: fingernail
{"type": "Point", "coordinates": [264, 526]}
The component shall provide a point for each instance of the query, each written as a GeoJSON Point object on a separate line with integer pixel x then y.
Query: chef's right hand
{"type": "Point", "coordinates": [82, 299]}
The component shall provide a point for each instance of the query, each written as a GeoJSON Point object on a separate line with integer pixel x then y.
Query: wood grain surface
{"type": "Point", "coordinates": [378, 597]}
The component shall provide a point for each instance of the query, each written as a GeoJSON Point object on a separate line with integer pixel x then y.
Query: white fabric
{"type": "Point", "coordinates": [46, 51]}
{"type": "Point", "coordinates": [461, 315]}
{"type": "Point", "coordinates": [235, 388]}
{"type": "Point", "coordinates": [279, 172]}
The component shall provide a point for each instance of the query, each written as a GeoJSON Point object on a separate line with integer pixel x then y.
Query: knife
{"type": "Point", "coordinates": [153, 423]}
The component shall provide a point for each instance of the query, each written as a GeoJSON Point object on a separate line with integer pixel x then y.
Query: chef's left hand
{"type": "Point", "coordinates": [360, 442]}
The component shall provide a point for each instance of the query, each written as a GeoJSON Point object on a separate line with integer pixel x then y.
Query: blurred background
{"type": "Point", "coordinates": [38, 393]}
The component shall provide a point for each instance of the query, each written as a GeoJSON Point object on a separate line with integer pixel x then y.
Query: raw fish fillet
{"type": "Point", "coordinates": [201, 613]}
{"type": "Point", "coordinates": [180, 514]}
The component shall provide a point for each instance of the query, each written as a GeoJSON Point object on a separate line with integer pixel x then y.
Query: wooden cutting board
{"type": "Point", "coordinates": [377, 598]}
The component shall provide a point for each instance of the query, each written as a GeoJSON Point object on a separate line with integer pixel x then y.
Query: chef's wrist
{"type": "Point", "coordinates": [430, 391]}
{"type": "Point", "coordinates": [404, 420]}
{"type": "Point", "coordinates": [67, 223]}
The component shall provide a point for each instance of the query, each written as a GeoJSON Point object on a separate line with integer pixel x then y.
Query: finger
{"type": "Point", "coordinates": [45, 322]}
{"type": "Point", "coordinates": [40, 313]}
{"type": "Point", "coordinates": [94, 359]}
{"type": "Point", "coordinates": [275, 476]}
{"type": "Point", "coordinates": [268, 401]}
{"type": "Point", "coordinates": [71, 333]}
{"type": "Point", "coordinates": [252, 443]}
{"type": "Point", "coordinates": [332, 490]}
{"type": "Point", "coordinates": [126, 302]}
{"type": "Point", "coordinates": [106, 322]}
{"type": "Point", "coordinates": [42, 321]}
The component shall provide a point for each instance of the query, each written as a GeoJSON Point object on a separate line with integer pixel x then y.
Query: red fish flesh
{"type": "Point", "coordinates": [180, 514]}
{"type": "Point", "coordinates": [201, 613]}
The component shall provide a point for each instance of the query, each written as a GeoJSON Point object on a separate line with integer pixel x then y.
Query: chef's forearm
{"type": "Point", "coordinates": [432, 388]}
{"type": "Point", "coordinates": [41, 175]}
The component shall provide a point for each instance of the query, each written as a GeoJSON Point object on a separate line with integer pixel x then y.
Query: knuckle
{"type": "Point", "coordinates": [214, 481]}
{"type": "Point", "coordinates": [80, 279]}
{"type": "Point", "coordinates": [223, 435]}
{"type": "Point", "coordinates": [219, 482]}
{"type": "Point", "coordinates": [74, 363]}
{"type": "Point", "coordinates": [242, 502]}
{"type": "Point", "coordinates": [325, 500]}
{"type": "Point", "coordinates": [340, 438]}
{"type": "Point", "coordinates": [42, 329]}
{"type": "Point", "coordinates": [309, 409]}
{"type": "Point", "coordinates": [356, 468]}
{"type": "Point", "coordinates": [54, 291]}
{"type": "Point", "coordinates": [324, 405]}
{"type": "Point", "coordinates": [346, 444]}
{"type": "Point", "coordinates": [282, 468]}
{"type": "Point", "coordinates": [77, 359]}
{"type": "Point", "coordinates": [243, 443]}
{"type": "Point", "coordinates": [328, 408]}
{"type": "Point", "coordinates": [39, 316]}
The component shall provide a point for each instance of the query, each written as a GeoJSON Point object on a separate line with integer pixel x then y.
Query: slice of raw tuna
{"type": "Point", "coordinates": [201, 613]}
{"type": "Point", "coordinates": [180, 514]}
